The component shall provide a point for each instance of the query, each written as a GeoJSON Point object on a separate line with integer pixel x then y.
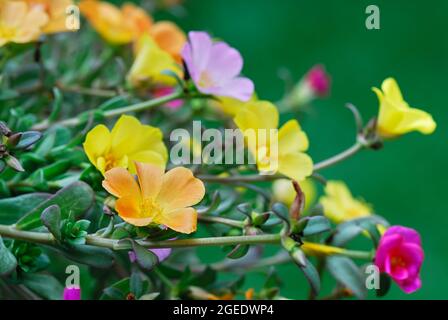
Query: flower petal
{"type": "Point", "coordinates": [296, 165]}
{"type": "Point", "coordinates": [120, 183]}
{"type": "Point", "coordinates": [97, 143]}
{"type": "Point", "coordinates": [180, 189]}
{"type": "Point", "coordinates": [128, 208]}
{"type": "Point", "coordinates": [392, 90]}
{"type": "Point", "coordinates": [291, 138]}
{"type": "Point", "coordinates": [169, 37]}
{"type": "Point", "coordinates": [181, 220]}
{"type": "Point", "coordinates": [149, 157]}
{"type": "Point", "coordinates": [201, 45]}
{"type": "Point", "coordinates": [225, 63]}
{"type": "Point", "coordinates": [150, 179]}
{"type": "Point", "coordinates": [257, 115]}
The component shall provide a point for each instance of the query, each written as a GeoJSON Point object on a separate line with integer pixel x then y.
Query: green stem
{"type": "Point", "coordinates": [48, 239]}
{"type": "Point", "coordinates": [263, 178]}
{"type": "Point", "coordinates": [116, 112]}
{"type": "Point", "coordinates": [339, 157]}
{"type": "Point", "coordinates": [228, 222]}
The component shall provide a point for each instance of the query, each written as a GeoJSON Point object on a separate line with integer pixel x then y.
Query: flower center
{"type": "Point", "coordinates": [149, 208]}
{"type": "Point", "coordinates": [398, 261]}
{"type": "Point", "coordinates": [205, 80]}
{"type": "Point", "coordinates": [7, 33]}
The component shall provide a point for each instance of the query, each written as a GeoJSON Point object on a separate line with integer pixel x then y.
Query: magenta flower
{"type": "Point", "coordinates": [214, 67]}
{"type": "Point", "coordinates": [318, 80]}
{"type": "Point", "coordinates": [72, 293]}
{"type": "Point", "coordinates": [400, 255]}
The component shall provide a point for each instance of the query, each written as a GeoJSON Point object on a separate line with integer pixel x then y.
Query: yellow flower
{"type": "Point", "coordinates": [396, 117]}
{"type": "Point", "coordinates": [20, 23]}
{"type": "Point", "coordinates": [150, 63]}
{"type": "Point", "coordinates": [284, 192]}
{"type": "Point", "coordinates": [158, 197]}
{"type": "Point", "coordinates": [282, 151]}
{"type": "Point", "coordinates": [129, 141]}
{"type": "Point", "coordinates": [56, 10]}
{"type": "Point", "coordinates": [231, 106]}
{"type": "Point", "coordinates": [339, 204]}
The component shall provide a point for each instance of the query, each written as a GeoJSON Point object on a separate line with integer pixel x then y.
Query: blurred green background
{"type": "Point", "coordinates": [406, 180]}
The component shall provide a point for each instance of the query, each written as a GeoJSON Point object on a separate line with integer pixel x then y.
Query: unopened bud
{"type": "Point", "coordinates": [14, 163]}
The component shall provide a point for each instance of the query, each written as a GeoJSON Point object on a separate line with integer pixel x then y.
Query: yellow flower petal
{"type": "Point", "coordinates": [296, 165]}
{"type": "Point", "coordinates": [98, 143]}
{"type": "Point", "coordinates": [291, 138]}
{"type": "Point", "coordinates": [257, 115]}
{"type": "Point", "coordinates": [181, 220]}
{"type": "Point", "coordinates": [180, 189]}
{"type": "Point", "coordinates": [339, 204]}
{"type": "Point", "coordinates": [396, 117]}
{"type": "Point", "coordinates": [150, 63]}
{"type": "Point", "coordinates": [392, 90]}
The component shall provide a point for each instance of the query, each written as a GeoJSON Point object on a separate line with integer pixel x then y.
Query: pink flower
{"type": "Point", "coordinates": [214, 67]}
{"type": "Point", "coordinates": [72, 293]}
{"type": "Point", "coordinates": [319, 81]}
{"type": "Point", "coordinates": [163, 91]}
{"type": "Point", "coordinates": [400, 255]}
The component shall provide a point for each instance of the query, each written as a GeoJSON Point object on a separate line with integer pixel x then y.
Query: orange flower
{"type": "Point", "coordinates": [108, 20]}
{"type": "Point", "coordinates": [129, 23]}
{"type": "Point", "coordinates": [56, 10]}
{"type": "Point", "coordinates": [20, 23]}
{"type": "Point", "coordinates": [158, 197]}
{"type": "Point", "coordinates": [170, 38]}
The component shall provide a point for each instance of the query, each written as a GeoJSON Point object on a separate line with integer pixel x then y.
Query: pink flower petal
{"type": "Point", "coordinates": [201, 45]}
{"type": "Point", "coordinates": [225, 63]}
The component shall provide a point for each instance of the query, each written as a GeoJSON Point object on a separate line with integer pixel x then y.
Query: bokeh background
{"type": "Point", "coordinates": [406, 181]}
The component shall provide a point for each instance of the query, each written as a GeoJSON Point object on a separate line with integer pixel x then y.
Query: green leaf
{"type": "Point", "coordinates": [8, 262]}
{"type": "Point", "coordinates": [345, 233]}
{"type": "Point", "coordinates": [238, 252]}
{"type": "Point", "coordinates": [43, 285]}
{"type": "Point", "coordinates": [346, 272]}
{"type": "Point", "coordinates": [282, 212]}
{"type": "Point", "coordinates": [311, 275]}
{"type": "Point", "coordinates": [28, 139]}
{"type": "Point", "coordinates": [204, 278]}
{"type": "Point", "coordinates": [150, 296]}
{"type": "Point", "coordinates": [51, 218]}
{"type": "Point", "coordinates": [144, 257]}
{"type": "Point", "coordinates": [74, 199]}
{"type": "Point", "coordinates": [114, 293]}
{"type": "Point", "coordinates": [12, 209]}
{"type": "Point", "coordinates": [97, 257]}
{"type": "Point", "coordinates": [51, 171]}
{"type": "Point", "coordinates": [136, 284]}
{"type": "Point", "coordinates": [316, 225]}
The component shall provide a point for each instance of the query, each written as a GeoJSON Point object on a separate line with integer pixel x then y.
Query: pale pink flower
{"type": "Point", "coordinates": [214, 67]}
